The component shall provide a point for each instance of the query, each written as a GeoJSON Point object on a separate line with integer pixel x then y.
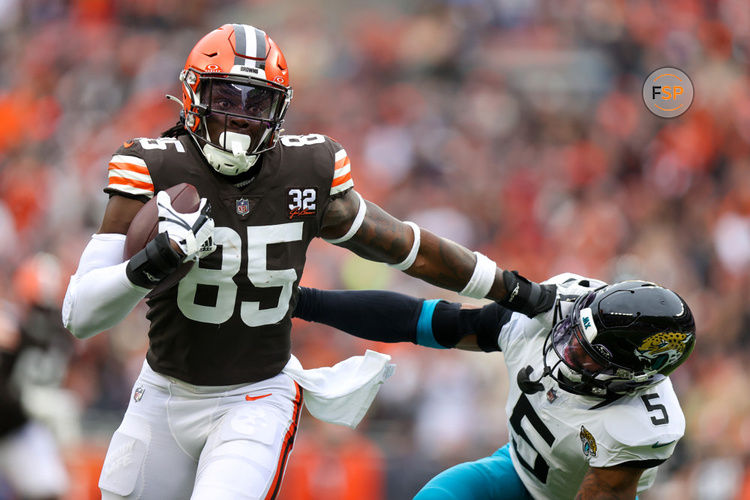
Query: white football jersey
{"type": "Point", "coordinates": [556, 436]}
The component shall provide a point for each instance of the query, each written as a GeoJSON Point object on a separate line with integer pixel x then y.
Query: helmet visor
{"type": "Point", "coordinates": [241, 115]}
{"type": "Point", "coordinates": [572, 347]}
{"type": "Point", "coordinates": [245, 101]}
{"type": "Point", "coordinates": [567, 343]}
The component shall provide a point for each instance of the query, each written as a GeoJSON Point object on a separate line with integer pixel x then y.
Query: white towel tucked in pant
{"type": "Point", "coordinates": [341, 394]}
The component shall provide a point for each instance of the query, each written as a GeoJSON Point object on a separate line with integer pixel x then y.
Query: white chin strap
{"type": "Point", "coordinates": [233, 163]}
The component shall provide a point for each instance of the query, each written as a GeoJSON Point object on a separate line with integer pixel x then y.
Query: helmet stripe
{"type": "Point", "coordinates": [260, 48]}
{"type": "Point", "coordinates": [241, 44]}
{"type": "Point", "coordinates": [251, 42]}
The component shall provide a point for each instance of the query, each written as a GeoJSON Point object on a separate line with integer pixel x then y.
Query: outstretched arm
{"type": "Point", "coordinates": [394, 317]}
{"type": "Point", "coordinates": [372, 233]}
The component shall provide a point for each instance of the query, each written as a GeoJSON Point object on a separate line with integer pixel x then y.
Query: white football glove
{"type": "Point", "coordinates": [192, 232]}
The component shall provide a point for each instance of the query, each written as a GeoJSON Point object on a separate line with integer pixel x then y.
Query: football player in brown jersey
{"type": "Point", "coordinates": [214, 410]}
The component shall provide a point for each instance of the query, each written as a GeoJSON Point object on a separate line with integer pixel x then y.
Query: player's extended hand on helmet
{"type": "Point", "coordinates": [192, 232]}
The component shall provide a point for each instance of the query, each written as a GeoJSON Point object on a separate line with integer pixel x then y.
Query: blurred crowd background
{"type": "Point", "coordinates": [515, 127]}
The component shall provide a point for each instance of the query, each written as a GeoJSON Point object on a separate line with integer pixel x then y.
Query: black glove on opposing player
{"type": "Point", "coordinates": [527, 297]}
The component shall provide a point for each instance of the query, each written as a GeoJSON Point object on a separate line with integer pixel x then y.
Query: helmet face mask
{"type": "Point", "coordinates": [620, 339]}
{"type": "Point", "coordinates": [235, 96]}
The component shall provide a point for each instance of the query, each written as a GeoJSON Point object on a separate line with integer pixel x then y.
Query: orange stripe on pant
{"type": "Point", "coordinates": [286, 446]}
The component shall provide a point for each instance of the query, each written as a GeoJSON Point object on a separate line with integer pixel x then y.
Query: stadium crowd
{"type": "Point", "coordinates": [515, 128]}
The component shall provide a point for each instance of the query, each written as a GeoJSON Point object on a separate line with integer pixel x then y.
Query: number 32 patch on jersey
{"type": "Point", "coordinates": [302, 201]}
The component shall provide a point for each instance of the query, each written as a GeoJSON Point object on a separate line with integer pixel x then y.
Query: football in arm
{"type": "Point", "coordinates": [145, 225]}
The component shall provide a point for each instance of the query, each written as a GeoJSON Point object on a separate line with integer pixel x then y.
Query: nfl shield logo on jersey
{"type": "Point", "coordinates": [138, 394]}
{"type": "Point", "coordinates": [243, 206]}
{"type": "Point", "coordinates": [551, 395]}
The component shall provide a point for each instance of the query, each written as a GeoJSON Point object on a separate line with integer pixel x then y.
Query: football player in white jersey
{"type": "Point", "coordinates": [591, 412]}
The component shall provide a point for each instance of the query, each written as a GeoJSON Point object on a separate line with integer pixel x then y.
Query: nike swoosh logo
{"type": "Point", "coordinates": [253, 398]}
{"type": "Point", "coordinates": [127, 144]}
{"type": "Point", "coordinates": [659, 445]}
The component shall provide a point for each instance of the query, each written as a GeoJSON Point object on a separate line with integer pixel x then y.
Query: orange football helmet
{"type": "Point", "coordinates": [235, 93]}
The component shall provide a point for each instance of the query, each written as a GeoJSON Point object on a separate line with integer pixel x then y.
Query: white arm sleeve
{"type": "Point", "coordinates": [100, 294]}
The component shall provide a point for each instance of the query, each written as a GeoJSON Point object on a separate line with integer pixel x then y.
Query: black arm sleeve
{"type": "Point", "coordinates": [370, 314]}
{"type": "Point", "coordinates": [394, 317]}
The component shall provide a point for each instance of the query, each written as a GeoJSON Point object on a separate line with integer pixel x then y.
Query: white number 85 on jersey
{"type": "Point", "coordinates": [258, 238]}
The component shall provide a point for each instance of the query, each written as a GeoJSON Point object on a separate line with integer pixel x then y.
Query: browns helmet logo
{"type": "Point", "coordinates": [668, 345]}
{"type": "Point", "coordinates": [588, 442]}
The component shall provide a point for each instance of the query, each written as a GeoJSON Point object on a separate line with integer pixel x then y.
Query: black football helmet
{"type": "Point", "coordinates": [620, 339]}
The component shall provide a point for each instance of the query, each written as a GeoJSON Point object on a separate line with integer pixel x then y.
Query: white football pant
{"type": "Point", "coordinates": [180, 441]}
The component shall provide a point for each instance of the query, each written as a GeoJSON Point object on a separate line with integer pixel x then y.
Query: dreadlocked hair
{"type": "Point", "coordinates": [177, 130]}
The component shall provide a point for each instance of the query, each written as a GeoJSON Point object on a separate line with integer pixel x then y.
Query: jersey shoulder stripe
{"type": "Point", "coordinates": [129, 174]}
{"type": "Point", "coordinates": [342, 173]}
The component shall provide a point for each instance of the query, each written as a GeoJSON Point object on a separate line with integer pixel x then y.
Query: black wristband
{"type": "Point", "coordinates": [154, 263]}
{"type": "Point", "coordinates": [527, 297]}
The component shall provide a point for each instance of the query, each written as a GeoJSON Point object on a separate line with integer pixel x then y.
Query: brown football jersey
{"type": "Point", "coordinates": [228, 320]}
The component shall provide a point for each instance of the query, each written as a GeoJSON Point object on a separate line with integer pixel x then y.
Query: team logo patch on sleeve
{"type": "Point", "coordinates": [302, 201]}
{"type": "Point", "coordinates": [588, 443]}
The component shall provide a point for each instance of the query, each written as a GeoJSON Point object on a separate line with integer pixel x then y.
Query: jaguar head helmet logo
{"type": "Point", "coordinates": [669, 346]}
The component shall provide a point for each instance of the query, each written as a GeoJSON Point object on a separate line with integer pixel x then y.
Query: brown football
{"type": "Point", "coordinates": [145, 225]}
